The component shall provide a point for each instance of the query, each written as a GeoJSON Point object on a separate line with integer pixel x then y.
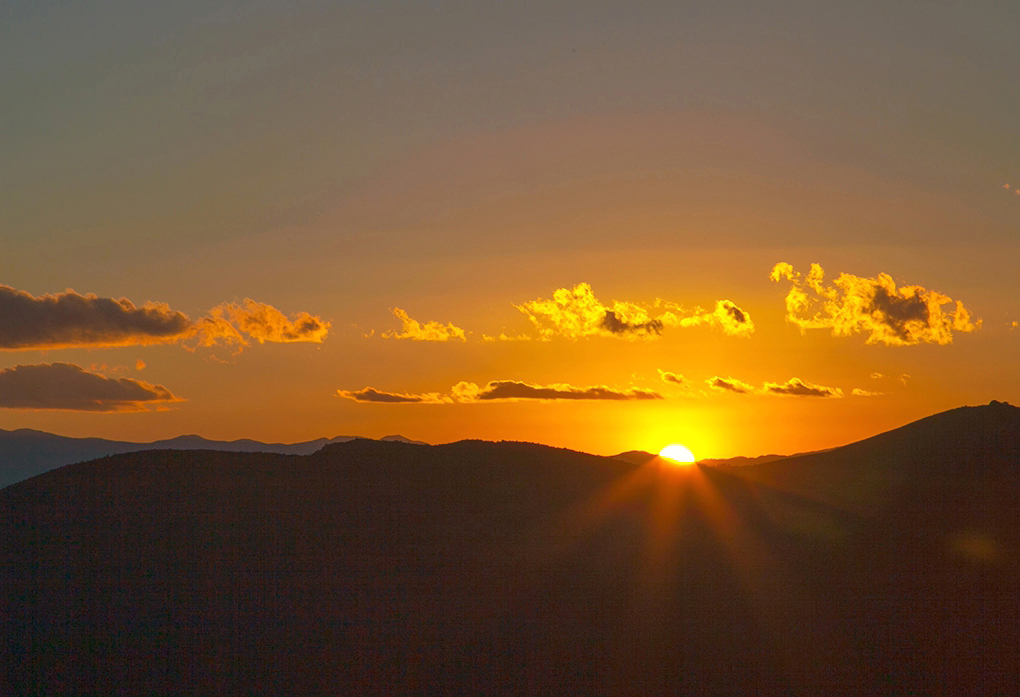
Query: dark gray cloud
{"type": "Point", "coordinates": [729, 385]}
{"type": "Point", "coordinates": [69, 386]}
{"type": "Point", "coordinates": [70, 319]}
{"type": "Point", "coordinates": [613, 323]}
{"type": "Point", "coordinates": [515, 389]}
{"type": "Point", "coordinates": [795, 387]}
{"type": "Point", "coordinates": [370, 394]}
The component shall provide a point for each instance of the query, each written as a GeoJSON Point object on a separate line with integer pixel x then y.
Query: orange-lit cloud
{"type": "Point", "coordinates": [500, 390]}
{"type": "Point", "coordinates": [370, 394]}
{"type": "Point", "coordinates": [515, 390]}
{"type": "Point", "coordinates": [264, 322]}
{"type": "Point", "coordinates": [729, 385]}
{"type": "Point", "coordinates": [795, 387]}
{"type": "Point", "coordinates": [673, 378]}
{"type": "Point", "coordinates": [574, 313]}
{"type": "Point", "coordinates": [430, 331]}
{"type": "Point", "coordinates": [503, 337]}
{"type": "Point", "coordinates": [68, 319]}
{"type": "Point", "coordinates": [901, 316]}
{"type": "Point", "coordinates": [69, 386]}
{"type": "Point", "coordinates": [858, 392]}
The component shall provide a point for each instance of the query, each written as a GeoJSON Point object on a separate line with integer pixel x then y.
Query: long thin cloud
{"type": "Point", "coordinates": [517, 390]}
{"type": "Point", "coordinates": [370, 394]}
{"type": "Point", "coordinates": [500, 390]}
{"type": "Point", "coordinates": [69, 386]}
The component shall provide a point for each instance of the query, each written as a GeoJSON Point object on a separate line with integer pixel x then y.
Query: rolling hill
{"type": "Point", "coordinates": [26, 452]}
{"type": "Point", "coordinates": [889, 566]}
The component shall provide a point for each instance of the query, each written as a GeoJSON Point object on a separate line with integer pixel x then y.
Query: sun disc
{"type": "Point", "coordinates": [677, 453]}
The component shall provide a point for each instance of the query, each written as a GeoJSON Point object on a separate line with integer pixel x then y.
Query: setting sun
{"type": "Point", "coordinates": [680, 454]}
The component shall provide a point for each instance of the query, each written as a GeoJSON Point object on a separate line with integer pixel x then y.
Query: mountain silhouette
{"type": "Point", "coordinates": [26, 452]}
{"type": "Point", "coordinates": [889, 566]}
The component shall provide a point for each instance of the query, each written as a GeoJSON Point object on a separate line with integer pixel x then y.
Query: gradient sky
{"type": "Point", "coordinates": [291, 220]}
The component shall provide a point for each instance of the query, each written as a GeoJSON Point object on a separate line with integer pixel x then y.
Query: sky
{"type": "Point", "coordinates": [745, 227]}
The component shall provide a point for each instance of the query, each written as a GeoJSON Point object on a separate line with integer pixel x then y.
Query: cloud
{"type": "Point", "coordinates": [575, 313]}
{"type": "Point", "coordinates": [726, 316]}
{"type": "Point", "coordinates": [370, 394]}
{"type": "Point", "coordinates": [69, 386]}
{"type": "Point", "coordinates": [858, 392]}
{"type": "Point", "coordinates": [667, 376]}
{"type": "Point", "coordinates": [515, 389]}
{"type": "Point", "coordinates": [262, 322]}
{"type": "Point", "coordinates": [430, 331]}
{"type": "Point", "coordinates": [503, 337]}
{"type": "Point", "coordinates": [876, 376]}
{"type": "Point", "coordinates": [500, 390]}
{"type": "Point", "coordinates": [795, 387]}
{"type": "Point", "coordinates": [889, 315]}
{"type": "Point", "coordinates": [729, 385]}
{"type": "Point", "coordinates": [68, 319]}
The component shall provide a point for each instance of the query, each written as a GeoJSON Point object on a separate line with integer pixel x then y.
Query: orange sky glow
{"type": "Point", "coordinates": [592, 228]}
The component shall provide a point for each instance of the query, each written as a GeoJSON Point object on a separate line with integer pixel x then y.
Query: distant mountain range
{"type": "Point", "coordinates": [888, 566]}
{"type": "Point", "coordinates": [25, 452]}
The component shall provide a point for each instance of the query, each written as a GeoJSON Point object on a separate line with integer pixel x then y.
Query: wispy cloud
{"type": "Point", "coordinates": [263, 322]}
{"type": "Point", "coordinates": [69, 386]}
{"type": "Point", "coordinates": [891, 315]}
{"type": "Point", "coordinates": [575, 313]}
{"type": "Point", "coordinates": [370, 394]}
{"type": "Point", "coordinates": [672, 378]}
{"type": "Point", "coordinates": [858, 392]}
{"type": "Point", "coordinates": [430, 331]}
{"type": "Point", "coordinates": [795, 387]}
{"type": "Point", "coordinates": [500, 390]}
{"type": "Point", "coordinates": [729, 385]}
{"type": "Point", "coordinates": [517, 390]}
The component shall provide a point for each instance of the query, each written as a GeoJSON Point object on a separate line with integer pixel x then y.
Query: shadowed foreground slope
{"type": "Point", "coordinates": [474, 568]}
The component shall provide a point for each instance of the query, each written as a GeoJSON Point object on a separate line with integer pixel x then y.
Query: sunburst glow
{"type": "Point", "coordinates": [677, 453]}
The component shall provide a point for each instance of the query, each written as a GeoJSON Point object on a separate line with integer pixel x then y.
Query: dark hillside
{"type": "Point", "coordinates": [505, 568]}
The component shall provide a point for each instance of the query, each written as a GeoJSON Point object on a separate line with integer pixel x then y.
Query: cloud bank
{"type": "Point", "coordinates": [575, 313]}
{"type": "Point", "coordinates": [890, 315]}
{"type": "Point", "coordinates": [69, 386]}
{"type": "Point", "coordinates": [430, 331]}
{"type": "Point", "coordinates": [70, 320]}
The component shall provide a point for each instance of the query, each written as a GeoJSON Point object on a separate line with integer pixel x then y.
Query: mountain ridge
{"type": "Point", "coordinates": [477, 567]}
{"type": "Point", "coordinates": [26, 452]}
